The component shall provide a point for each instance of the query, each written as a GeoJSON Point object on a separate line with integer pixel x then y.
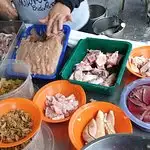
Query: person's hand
{"type": "Point", "coordinates": [56, 18]}
{"type": "Point", "coordinates": [7, 10]}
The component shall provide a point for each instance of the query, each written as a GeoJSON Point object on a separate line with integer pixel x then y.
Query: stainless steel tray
{"type": "Point", "coordinates": [12, 27]}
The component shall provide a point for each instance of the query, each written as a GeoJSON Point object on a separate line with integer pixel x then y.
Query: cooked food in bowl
{"type": "Point", "coordinates": [138, 102]}
{"type": "Point", "coordinates": [42, 53]}
{"type": "Point", "coordinates": [8, 85]}
{"type": "Point", "coordinates": [97, 68]}
{"type": "Point", "coordinates": [103, 124]}
{"type": "Point", "coordinates": [59, 106]}
{"type": "Point", "coordinates": [140, 65]}
{"type": "Point", "coordinates": [14, 126]}
{"type": "Point", "coordinates": [5, 41]}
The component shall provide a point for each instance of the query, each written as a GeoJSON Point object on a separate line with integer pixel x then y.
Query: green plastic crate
{"type": "Point", "coordinates": [105, 46]}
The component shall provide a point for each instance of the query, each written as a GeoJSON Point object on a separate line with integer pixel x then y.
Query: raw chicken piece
{"type": "Point", "coordinates": [110, 80]}
{"type": "Point", "coordinates": [89, 132]}
{"type": "Point", "coordinates": [101, 59]}
{"type": "Point", "coordinates": [109, 123]}
{"type": "Point", "coordinates": [59, 106]}
{"type": "Point", "coordinates": [100, 124]}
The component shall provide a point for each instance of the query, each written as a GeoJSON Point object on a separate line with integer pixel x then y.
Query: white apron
{"type": "Point", "coordinates": [30, 11]}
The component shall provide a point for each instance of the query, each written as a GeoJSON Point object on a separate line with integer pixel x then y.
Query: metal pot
{"type": "Point", "coordinates": [109, 26]}
{"type": "Point", "coordinates": [97, 12]}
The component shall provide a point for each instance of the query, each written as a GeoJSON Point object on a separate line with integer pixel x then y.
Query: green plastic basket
{"type": "Point", "coordinates": [105, 46]}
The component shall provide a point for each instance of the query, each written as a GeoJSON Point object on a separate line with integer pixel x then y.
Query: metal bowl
{"type": "Point", "coordinates": [97, 12]}
{"type": "Point", "coordinates": [119, 142]}
{"type": "Point", "coordinates": [109, 26]}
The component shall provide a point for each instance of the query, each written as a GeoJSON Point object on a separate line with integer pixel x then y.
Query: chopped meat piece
{"type": "Point", "coordinates": [138, 102]}
{"type": "Point", "coordinates": [101, 59]}
{"type": "Point", "coordinates": [112, 60]}
{"type": "Point", "coordinates": [110, 80]}
{"type": "Point", "coordinates": [140, 64]}
{"type": "Point", "coordinates": [78, 75]}
{"type": "Point", "coordinates": [146, 95]}
{"type": "Point", "coordinates": [87, 78]}
{"type": "Point", "coordinates": [93, 68]}
{"type": "Point", "coordinates": [145, 68]}
{"type": "Point", "coordinates": [83, 66]}
{"type": "Point", "coordinates": [99, 80]}
{"type": "Point", "coordinates": [100, 72]}
{"type": "Point", "coordinates": [59, 106]}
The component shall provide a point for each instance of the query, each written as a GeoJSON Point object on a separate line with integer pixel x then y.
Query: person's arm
{"type": "Point", "coordinates": [71, 3]}
{"type": "Point", "coordinates": [7, 10]}
{"type": "Point", "coordinates": [60, 14]}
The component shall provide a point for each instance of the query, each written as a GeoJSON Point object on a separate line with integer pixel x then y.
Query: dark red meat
{"type": "Point", "coordinates": [139, 102]}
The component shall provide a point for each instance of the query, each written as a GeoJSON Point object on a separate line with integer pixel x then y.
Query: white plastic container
{"type": "Point", "coordinates": [13, 69]}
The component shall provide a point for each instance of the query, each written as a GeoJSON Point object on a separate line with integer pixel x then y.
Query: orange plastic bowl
{"type": "Point", "coordinates": [85, 113]}
{"type": "Point", "coordinates": [29, 107]}
{"type": "Point", "coordinates": [61, 86]}
{"type": "Point", "coordinates": [140, 51]}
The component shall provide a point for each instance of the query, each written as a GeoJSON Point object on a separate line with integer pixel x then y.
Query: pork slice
{"type": "Point", "coordinates": [90, 58]}
{"type": "Point", "coordinates": [146, 117]}
{"type": "Point", "coordinates": [110, 80]}
{"type": "Point", "coordinates": [137, 102]}
{"type": "Point", "coordinates": [146, 95]}
{"type": "Point", "coordinates": [49, 100]}
{"type": "Point", "coordinates": [78, 75]}
{"type": "Point", "coordinates": [87, 78]}
{"type": "Point", "coordinates": [134, 109]}
{"type": "Point", "coordinates": [57, 104]}
{"type": "Point", "coordinates": [50, 113]}
{"type": "Point", "coordinates": [57, 110]}
{"type": "Point", "coordinates": [113, 59]}
{"type": "Point", "coordinates": [101, 59]}
{"type": "Point", "coordinates": [145, 68]}
{"type": "Point", "coordinates": [137, 93]}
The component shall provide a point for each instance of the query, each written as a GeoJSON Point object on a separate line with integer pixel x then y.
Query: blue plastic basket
{"type": "Point", "coordinates": [40, 29]}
